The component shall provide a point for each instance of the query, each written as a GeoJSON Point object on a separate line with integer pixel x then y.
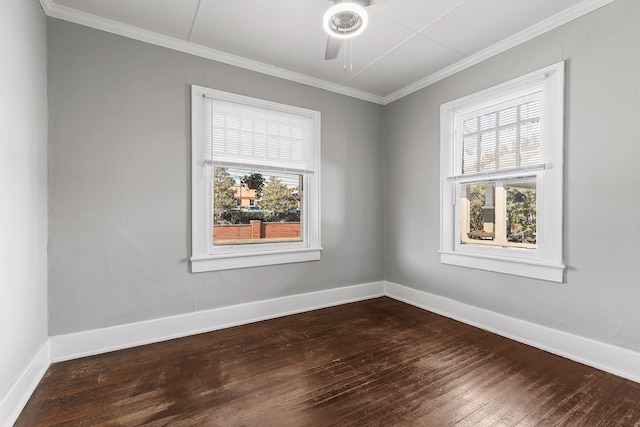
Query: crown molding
{"type": "Point", "coordinates": [72, 15]}
{"type": "Point", "coordinates": [104, 24]}
{"type": "Point", "coordinates": [536, 30]}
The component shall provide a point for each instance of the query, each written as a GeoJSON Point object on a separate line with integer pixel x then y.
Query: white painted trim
{"type": "Point", "coordinates": [618, 361]}
{"type": "Point", "coordinates": [205, 256]}
{"type": "Point", "coordinates": [545, 262]}
{"type": "Point", "coordinates": [606, 357]}
{"type": "Point", "coordinates": [523, 36]}
{"type": "Point", "coordinates": [514, 266]}
{"type": "Point", "coordinates": [104, 24]}
{"type": "Point", "coordinates": [18, 395]}
{"type": "Point", "coordinates": [87, 343]}
{"type": "Point", "coordinates": [72, 15]}
{"type": "Point", "coordinates": [244, 260]}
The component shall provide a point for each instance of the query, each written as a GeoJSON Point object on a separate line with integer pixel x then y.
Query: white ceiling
{"type": "Point", "coordinates": [408, 44]}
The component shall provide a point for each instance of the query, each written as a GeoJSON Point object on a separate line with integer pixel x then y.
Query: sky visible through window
{"type": "Point", "coordinates": [290, 180]}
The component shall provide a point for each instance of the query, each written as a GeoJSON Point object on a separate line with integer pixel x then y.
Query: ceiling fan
{"type": "Point", "coordinates": [344, 20]}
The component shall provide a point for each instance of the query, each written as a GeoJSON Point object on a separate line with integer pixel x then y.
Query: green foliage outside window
{"type": "Point", "coordinates": [521, 211]}
{"type": "Point", "coordinates": [277, 199]}
{"type": "Point", "coordinates": [475, 194]}
{"type": "Point", "coordinates": [223, 193]}
{"type": "Point", "coordinates": [522, 214]}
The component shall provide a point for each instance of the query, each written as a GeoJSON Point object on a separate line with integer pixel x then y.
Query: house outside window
{"type": "Point", "coordinates": [255, 182]}
{"type": "Point", "coordinates": [502, 177]}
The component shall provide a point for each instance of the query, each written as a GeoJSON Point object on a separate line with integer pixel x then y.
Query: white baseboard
{"type": "Point", "coordinates": [616, 360]}
{"type": "Point", "coordinates": [87, 343]}
{"type": "Point", "coordinates": [18, 395]}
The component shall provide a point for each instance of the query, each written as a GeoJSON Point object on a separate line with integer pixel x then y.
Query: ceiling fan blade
{"type": "Point", "coordinates": [367, 3]}
{"type": "Point", "coordinates": [363, 3]}
{"type": "Point", "coordinates": [333, 48]}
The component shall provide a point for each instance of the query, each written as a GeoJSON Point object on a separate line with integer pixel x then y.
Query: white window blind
{"type": "Point", "coordinates": [238, 135]}
{"type": "Point", "coordinates": [506, 138]}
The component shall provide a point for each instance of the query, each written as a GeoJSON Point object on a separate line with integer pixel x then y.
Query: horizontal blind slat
{"type": "Point", "coordinates": [509, 136]}
{"type": "Point", "coordinates": [240, 134]}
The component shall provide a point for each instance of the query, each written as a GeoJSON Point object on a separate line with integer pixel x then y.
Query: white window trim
{"type": "Point", "coordinates": [545, 262]}
{"type": "Point", "coordinates": [204, 257]}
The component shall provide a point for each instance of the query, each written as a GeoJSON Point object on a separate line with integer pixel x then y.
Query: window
{"type": "Point", "coordinates": [255, 182]}
{"type": "Point", "coordinates": [502, 177]}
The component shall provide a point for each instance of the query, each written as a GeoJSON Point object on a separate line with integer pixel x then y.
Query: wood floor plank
{"type": "Point", "coordinates": [371, 363]}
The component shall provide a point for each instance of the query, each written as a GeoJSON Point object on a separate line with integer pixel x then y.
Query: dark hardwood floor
{"type": "Point", "coordinates": [372, 363]}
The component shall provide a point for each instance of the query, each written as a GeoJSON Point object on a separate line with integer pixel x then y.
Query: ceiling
{"type": "Point", "coordinates": [408, 44]}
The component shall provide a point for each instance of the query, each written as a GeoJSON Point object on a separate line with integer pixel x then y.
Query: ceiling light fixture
{"type": "Point", "coordinates": [345, 20]}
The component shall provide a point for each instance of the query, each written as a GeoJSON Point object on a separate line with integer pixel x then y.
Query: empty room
{"type": "Point", "coordinates": [319, 212]}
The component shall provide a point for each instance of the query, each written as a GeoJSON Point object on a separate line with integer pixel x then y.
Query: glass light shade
{"type": "Point", "coordinates": [345, 9]}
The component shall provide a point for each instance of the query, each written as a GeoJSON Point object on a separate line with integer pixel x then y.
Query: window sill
{"type": "Point", "coordinates": [253, 259]}
{"type": "Point", "coordinates": [518, 267]}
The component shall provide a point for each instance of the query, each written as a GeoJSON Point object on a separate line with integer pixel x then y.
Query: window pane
{"type": "Point", "coordinates": [479, 226]}
{"type": "Point", "coordinates": [252, 207]}
{"type": "Point", "coordinates": [488, 121]}
{"type": "Point", "coordinates": [508, 147]}
{"type": "Point", "coordinates": [530, 143]}
{"type": "Point", "coordinates": [503, 139]}
{"type": "Point", "coordinates": [470, 155]}
{"type": "Point", "coordinates": [522, 211]}
{"type": "Point", "coordinates": [508, 116]}
{"type": "Point", "coordinates": [470, 125]}
{"type": "Point", "coordinates": [499, 213]}
{"type": "Point", "coordinates": [530, 110]}
{"type": "Point", "coordinates": [488, 151]}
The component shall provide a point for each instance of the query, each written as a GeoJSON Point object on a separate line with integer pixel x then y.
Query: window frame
{"type": "Point", "coordinates": [207, 257]}
{"type": "Point", "coordinates": [545, 261]}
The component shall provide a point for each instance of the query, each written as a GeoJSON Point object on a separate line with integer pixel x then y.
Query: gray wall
{"type": "Point", "coordinates": [23, 188]}
{"type": "Point", "coordinates": [119, 184]}
{"type": "Point", "coordinates": [601, 293]}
